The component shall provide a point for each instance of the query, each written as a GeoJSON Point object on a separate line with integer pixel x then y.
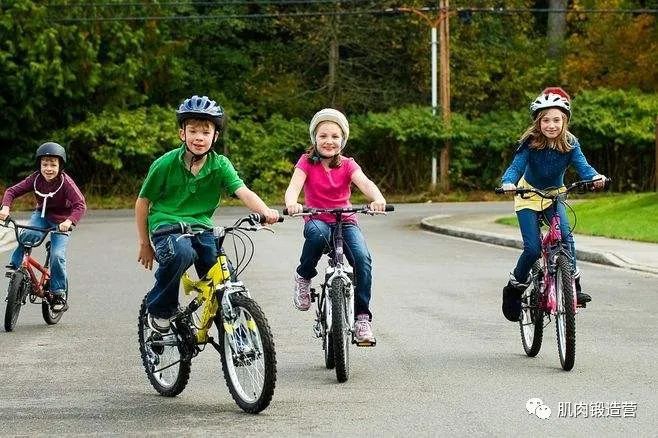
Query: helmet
{"type": "Point", "coordinates": [200, 108]}
{"type": "Point", "coordinates": [329, 115]}
{"type": "Point", "coordinates": [51, 149]}
{"type": "Point", "coordinates": [552, 97]}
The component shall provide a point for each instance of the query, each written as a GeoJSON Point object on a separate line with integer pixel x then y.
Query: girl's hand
{"type": "Point", "coordinates": [65, 226]}
{"type": "Point", "coordinates": [294, 208]}
{"type": "Point", "coordinates": [4, 213]}
{"type": "Point", "coordinates": [600, 183]}
{"type": "Point", "coordinates": [378, 205]}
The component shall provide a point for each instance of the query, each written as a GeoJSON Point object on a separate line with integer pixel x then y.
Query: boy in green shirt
{"type": "Point", "coordinates": [185, 186]}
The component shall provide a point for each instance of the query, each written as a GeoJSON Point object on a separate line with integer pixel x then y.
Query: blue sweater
{"type": "Point", "coordinates": [545, 168]}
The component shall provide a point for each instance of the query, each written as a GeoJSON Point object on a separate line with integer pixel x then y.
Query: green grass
{"type": "Point", "coordinates": [625, 216]}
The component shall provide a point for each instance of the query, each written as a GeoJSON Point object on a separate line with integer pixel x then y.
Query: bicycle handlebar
{"type": "Point", "coordinates": [341, 210]}
{"type": "Point", "coordinates": [584, 184]}
{"type": "Point", "coordinates": [254, 220]}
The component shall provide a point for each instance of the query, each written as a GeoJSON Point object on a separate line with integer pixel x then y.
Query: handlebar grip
{"type": "Point", "coordinates": [499, 190]}
{"type": "Point", "coordinates": [389, 207]}
{"type": "Point", "coordinates": [259, 219]}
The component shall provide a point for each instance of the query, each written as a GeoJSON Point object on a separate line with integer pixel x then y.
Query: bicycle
{"type": "Point", "coordinates": [334, 315]}
{"type": "Point", "coordinates": [31, 280]}
{"type": "Point", "coordinates": [245, 343]}
{"type": "Point", "coordinates": [552, 292]}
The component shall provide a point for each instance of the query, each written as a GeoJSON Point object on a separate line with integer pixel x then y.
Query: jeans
{"type": "Point", "coordinates": [58, 243]}
{"type": "Point", "coordinates": [174, 257]}
{"type": "Point", "coordinates": [318, 237]}
{"type": "Point", "coordinates": [529, 224]}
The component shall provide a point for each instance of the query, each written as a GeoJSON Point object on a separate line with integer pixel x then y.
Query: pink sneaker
{"type": "Point", "coordinates": [301, 296]}
{"type": "Point", "coordinates": [363, 329]}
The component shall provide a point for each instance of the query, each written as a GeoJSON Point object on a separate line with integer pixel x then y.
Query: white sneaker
{"type": "Point", "coordinates": [161, 325]}
{"type": "Point", "coordinates": [363, 329]}
{"type": "Point", "coordinates": [301, 295]}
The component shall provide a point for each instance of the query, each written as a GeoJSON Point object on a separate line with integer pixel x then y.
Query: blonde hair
{"type": "Point", "coordinates": [537, 140]}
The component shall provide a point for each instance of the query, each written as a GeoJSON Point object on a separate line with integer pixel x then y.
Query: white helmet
{"type": "Point", "coordinates": [329, 115]}
{"type": "Point", "coordinates": [552, 97]}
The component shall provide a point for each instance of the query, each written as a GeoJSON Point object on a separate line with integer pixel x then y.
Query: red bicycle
{"type": "Point", "coordinates": [31, 279]}
{"type": "Point", "coordinates": [552, 292]}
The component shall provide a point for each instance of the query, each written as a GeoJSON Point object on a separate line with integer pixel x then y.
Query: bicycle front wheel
{"type": "Point", "coordinates": [341, 334]}
{"type": "Point", "coordinates": [166, 367]}
{"type": "Point", "coordinates": [249, 362]}
{"type": "Point", "coordinates": [327, 345]}
{"type": "Point", "coordinates": [565, 319]}
{"type": "Point", "coordinates": [532, 316]}
{"type": "Point", "coordinates": [16, 293]}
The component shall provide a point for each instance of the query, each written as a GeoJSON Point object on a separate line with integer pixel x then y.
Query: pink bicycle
{"type": "Point", "coordinates": [552, 292]}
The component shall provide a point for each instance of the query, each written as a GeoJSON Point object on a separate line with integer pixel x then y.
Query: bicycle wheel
{"type": "Point", "coordinates": [18, 288]}
{"type": "Point", "coordinates": [250, 369]}
{"type": "Point", "coordinates": [565, 319]}
{"type": "Point", "coordinates": [166, 367]}
{"type": "Point", "coordinates": [327, 345]}
{"type": "Point", "coordinates": [340, 330]}
{"type": "Point", "coordinates": [532, 316]}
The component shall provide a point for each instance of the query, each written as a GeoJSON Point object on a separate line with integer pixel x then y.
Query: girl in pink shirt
{"type": "Point", "coordinates": [326, 177]}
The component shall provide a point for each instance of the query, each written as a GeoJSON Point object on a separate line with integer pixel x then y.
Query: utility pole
{"type": "Point", "coordinates": [440, 21]}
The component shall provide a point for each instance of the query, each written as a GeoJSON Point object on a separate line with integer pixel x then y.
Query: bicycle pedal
{"type": "Point", "coordinates": [365, 343]}
{"type": "Point", "coordinates": [581, 305]}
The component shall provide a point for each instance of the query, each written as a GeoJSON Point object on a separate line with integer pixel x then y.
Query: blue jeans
{"type": "Point", "coordinates": [318, 237]}
{"type": "Point", "coordinates": [58, 243]}
{"type": "Point", "coordinates": [174, 257]}
{"type": "Point", "coordinates": [529, 224]}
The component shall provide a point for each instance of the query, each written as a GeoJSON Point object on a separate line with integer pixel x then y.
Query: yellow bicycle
{"type": "Point", "coordinates": [244, 342]}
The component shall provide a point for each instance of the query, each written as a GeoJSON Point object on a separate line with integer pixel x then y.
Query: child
{"type": "Point", "coordinates": [184, 186]}
{"type": "Point", "coordinates": [59, 204]}
{"type": "Point", "coordinates": [326, 177]}
{"type": "Point", "coordinates": [546, 149]}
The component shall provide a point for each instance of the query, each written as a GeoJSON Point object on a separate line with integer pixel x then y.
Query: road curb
{"type": "Point", "coordinates": [602, 258]}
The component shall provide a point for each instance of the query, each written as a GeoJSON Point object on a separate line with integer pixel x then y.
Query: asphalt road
{"type": "Point", "coordinates": [446, 361]}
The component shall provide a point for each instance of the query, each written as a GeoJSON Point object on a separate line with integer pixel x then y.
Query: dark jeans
{"type": "Point", "coordinates": [318, 236]}
{"type": "Point", "coordinates": [529, 225]}
{"type": "Point", "coordinates": [174, 257]}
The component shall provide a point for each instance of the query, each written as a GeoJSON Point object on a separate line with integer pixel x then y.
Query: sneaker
{"type": "Point", "coordinates": [160, 325]}
{"type": "Point", "coordinates": [581, 297]}
{"type": "Point", "coordinates": [59, 304]}
{"type": "Point", "coordinates": [301, 297]}
{"type": "Point", "coordinates": [363, 329]}
{"type": "Point", "coordinates": [512, 299]}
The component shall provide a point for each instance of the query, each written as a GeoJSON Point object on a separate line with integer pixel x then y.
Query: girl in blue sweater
{"type": "Point", "coordinates": [546, 149]}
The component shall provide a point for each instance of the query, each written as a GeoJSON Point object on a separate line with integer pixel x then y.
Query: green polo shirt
{"type": "Point", "coordinates": [176, 195]}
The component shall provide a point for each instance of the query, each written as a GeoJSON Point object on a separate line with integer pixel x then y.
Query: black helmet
{"type": "Point", "coordinates": [200, 108]}
{"type": "Point", "coordinates": [51, 149]}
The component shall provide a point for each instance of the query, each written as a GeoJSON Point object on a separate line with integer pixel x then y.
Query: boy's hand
{"type": "Point", "coordinates": [65, 226]}
{"type": "Point", "coordinates": [146, 255]}
{"type": "Point", "coordinates": [271, 215]}
{"type": "Point", "coordinates": [4, 213]}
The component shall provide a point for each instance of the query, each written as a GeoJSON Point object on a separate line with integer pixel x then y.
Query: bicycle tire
{"type": "Point", "coordinates": [49, 315]}
{"type": "Point", "coordinates": [532, 316]}
{"type": "Point", "coordinates": [170, 381]}
{"type": "Point", "coordinates": [565, 318]}
{"type": "Point", "coordinates": [340, 330]}
{"type": "Point", "coordinates": [327, 345]}
{"type": "Point", "coordinates": [250, 374]}
{"type": "Point", "coordinates": [15, 295]}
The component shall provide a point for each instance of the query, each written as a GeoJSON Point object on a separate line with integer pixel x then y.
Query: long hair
{"type": "Point", "coordinates": [314, 158]}
{"type": "Point", "coordinates": [537, 140]}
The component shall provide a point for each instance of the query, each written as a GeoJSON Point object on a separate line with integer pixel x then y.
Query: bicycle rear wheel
{"type": "Point", "coordinates": [340, 330]}
{"type": "Point", "coordinates": [565, 319]}
{"type": "Point", "coordinates": [49, 315]}
{"type": "Point", "coordinates": [532, 316]}
{"type": "Point", "coordinates": [16, 293]}
{"type": "Point", "coordinates": [166, 367]}
{"type": "Point", "coordinates": [250, 369]}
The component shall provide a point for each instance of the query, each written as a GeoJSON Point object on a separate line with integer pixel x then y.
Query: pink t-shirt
{"type": "Point", "coordinates": [327, 188]}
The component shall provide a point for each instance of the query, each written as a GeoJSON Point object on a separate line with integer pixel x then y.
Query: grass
{"type": "Point", "coordinates": [624, 216]}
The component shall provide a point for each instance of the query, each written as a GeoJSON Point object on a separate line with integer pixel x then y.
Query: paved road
{"type": "Point", "coordinates": [446, 360]}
